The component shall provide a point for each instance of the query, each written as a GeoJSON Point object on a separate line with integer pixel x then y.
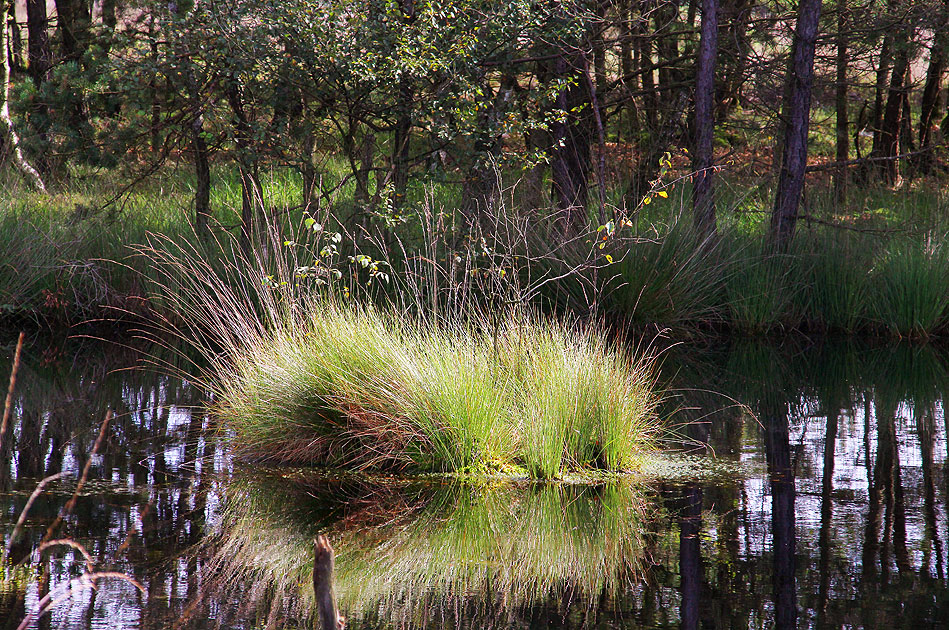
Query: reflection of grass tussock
{"type": "Point", "coordinates": [357, 387]}
{"type": "Point", "coordinates": [500, 548]}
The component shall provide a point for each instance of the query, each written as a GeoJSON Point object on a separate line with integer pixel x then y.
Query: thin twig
{"type": "Point", "coordinates": [64, 591]}
{"type": "Point", "coordinates": [880, 158]}
{"type": "Point", "coordinates": [8, 407]}
{"type": "Point", "coordinates": [66, 542]}
{"type": "Point", "coordinates": [23, 513]}
{"type": "Point", "coordinates": [67, 509]}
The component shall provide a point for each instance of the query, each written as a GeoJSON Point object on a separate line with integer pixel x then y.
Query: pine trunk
{"type": "Point", "coordinates": [794, 155]}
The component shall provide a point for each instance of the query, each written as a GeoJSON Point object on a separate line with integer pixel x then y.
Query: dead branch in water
{"type": "Point", "coordinates": [323, 584]}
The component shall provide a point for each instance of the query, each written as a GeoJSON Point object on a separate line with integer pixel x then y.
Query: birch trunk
{"type": "Point", "coordinates": [8, 133]}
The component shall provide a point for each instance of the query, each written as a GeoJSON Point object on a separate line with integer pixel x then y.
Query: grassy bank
{"type": "Point", "coordinates": [874, 267]}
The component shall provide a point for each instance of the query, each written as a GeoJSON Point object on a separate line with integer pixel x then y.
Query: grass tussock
{"type": "Point", "coordinates": [911, 288]}
{"type": "Point", "coordinates": [358, 387]}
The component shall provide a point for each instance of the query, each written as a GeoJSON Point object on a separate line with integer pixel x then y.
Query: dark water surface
{"type": "Point", "coordinates": [812, 493]}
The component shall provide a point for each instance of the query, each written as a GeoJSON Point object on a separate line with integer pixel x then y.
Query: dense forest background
{"type": "Point", "coordinates": [607, 154]}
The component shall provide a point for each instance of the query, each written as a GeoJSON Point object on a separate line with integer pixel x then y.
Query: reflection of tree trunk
{"type": "Point", "coordinates": [781, 474]}
{"type": "Point", "coordinates": [323, 584]}
{"type": "Point", "coordinates": [827, 509]}
{"type": "Point", "coordinates": [926, 429]}
{"type": "Point", "coordinates": [871, 543]}
{"type": "Point", "coordinates": [890, 482]}
{"type": "Point", "coordinates": [690, 556]}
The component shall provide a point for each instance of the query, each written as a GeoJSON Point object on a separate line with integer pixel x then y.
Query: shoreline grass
{"type": "Point", "coordinates": [877, 272]}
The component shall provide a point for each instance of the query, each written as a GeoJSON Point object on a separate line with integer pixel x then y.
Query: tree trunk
{"type": "Point", "coordinates": [667, 44]}
{"type": "Point", "coordinates": [570, 163]}
{"type": "Point", "coordinates": [16, 43]}
{"type": "Point", "coordinates": [401, 144]}
{"type": "Point", "coordinates": [311, 180]}
{"type": "Point", "coordinates": [646, 69]}
{"type": "Point", "coordinates": [39, 56]}
{"type": "Point", "coordinates": [734, 17]}
{"type": "Point", "coordinates": [8, 136]}
{"type": "Point", "coordinates": [840, 101]}
{"type": "Point", "coordinates": [703, 193]}
{"type": "Point", "coordinates": [882, 76]}
{"type": "Point", "coordinates": [890, 127]}
{"type": "Point", "coordinates": [202, 169]}
{"type": "Point", "coordinates": [930, 99]}
{"type": "Point", "coordinates": [74, 22]}
{"type": "Point", "coordinates": [401, 141]}
{"type": "Point", "coordinates": [794, 155]}
{"type": "Point", "coordinates": [109, 22]}
{"type": "Point", "coordinates": [481, 196]}
{"type": "Point", "coordinates": [254, 235]}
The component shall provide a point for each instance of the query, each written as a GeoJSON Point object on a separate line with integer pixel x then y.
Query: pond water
{"type": "Point", "coordinates": [807, 487]}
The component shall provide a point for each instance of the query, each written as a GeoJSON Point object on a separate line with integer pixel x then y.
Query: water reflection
{"type": "Point", "coordinates": [419, 553]}
{"type": "Point", "coordinates": [837, 519]}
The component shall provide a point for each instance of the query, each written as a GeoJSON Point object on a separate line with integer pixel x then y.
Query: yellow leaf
{"type": "Point", "coordinates": [609, 259]}
{"type": "Point", "coordinates": [647, 200]}
{"type": "Point", "coordinates": [663, 194]}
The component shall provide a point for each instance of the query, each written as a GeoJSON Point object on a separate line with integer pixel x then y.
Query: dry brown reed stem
{"type": "Point", "coordinates": [24, 511]}
{"type": "Point", "coordinates": [8, 407]}
{"type": "Point", "coordinates": [135, 528]}
{"type": "Point", "coordinates": [66, 542]}
{"type": "Point", "coordinates": [68, 508]}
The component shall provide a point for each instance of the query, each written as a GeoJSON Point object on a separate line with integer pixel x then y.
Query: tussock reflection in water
{"type": "Point", "coordinates": [419, 554]}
